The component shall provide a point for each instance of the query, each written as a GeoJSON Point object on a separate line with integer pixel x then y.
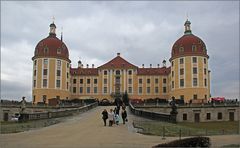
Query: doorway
{"type": "Point", "coordinates": [197, 117]}
{"type": "Point", "coordinates": [231, 116]}
{"type": "Point", "coordinates": [5, 116]}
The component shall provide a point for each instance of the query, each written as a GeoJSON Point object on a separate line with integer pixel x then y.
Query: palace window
{"type": "Point", "coordinates": [148, 90]}
{"type": "Point", "coordinates": [164, 80]}
{"type": "Point", "coordinates": [35, 62]}
{"type": "Point", "coordinates": [118, 72]}
{"type": "Point", "coordinates": [172, 63]}
{"type": "Point", "coordinates": [194, 70]}
{"type": "Point", "coordinates": [58, 83]}
{"type": "Point", "coordinates": [181, 61]}
{"type": "Point", "coordinates": [195, 96]}
{"type": "Point", "coordinates": [140, 81]}
{"type": "Point", "coordinates": [172, 73]}
{"type": "Point", "coordinates": [58, 72]}
{"type": "Point", "coordinates": [88, 90]}
{"type": "Point", "coordinates": [129, 81]}
{"type": "Point", "coordinates": [67, 75]}
{"type": "Point", "coordinates": [156, 81]}
{"type": "Point", "coordinates": [156, 90]}
{"type": "Point", "coordinates": [34, 83]}
{"type": "Point", "coordinates": [95, 89]}
{"type": "Point", "coordinates": [205, 82]}
{"type": "Point", "coordinates": [105, 90]}
{"type": "Point", "coordinates": [88, 81]}
{"type": "Point", "coordinates": [74, 81]}
{"type": "Point", "coordinates": [45, 49]}
{"type": "Point", "coordinates": [45, 61]}
{"type": "Point", "coordinates": [148, 81]}
{"type": "Point", "coordinates": [95, 81]}
{"type": "Point", "coordinates": [195, 82]}
{"type": "Point", "coordinates": [81, 81]}
{"type": "Point", "coordinates": [45, 71]}
{"type": "Point", "coordinates": [140, 90]}
{"type": "Point", "coordinates": [205, 61]}
{"type": "Point", "coordinates": [58, 63]}
{"type": "Point", "coordinates": [172, 84]}
{"type": "Point", "coordinates": [105, 81]}
{"type": "Point", "coordinates": [164, 89]}
{"type": "Point", "coordinates": [130, 72]}
{"type": "Point", "coordinates": [194, 59]}
{"type": "Point", "coordinates": [67, 85]}
{"type": "Point", "coordinates": [181, 71]}
{"type": "Point", "coordinates": [181, 82]}
{"type": "Point", "coordinates": [74, 89]}
{"type": "Point", "coordinates": [205, 71]}
{"type": "Point", "coordinates": [35, 72]}
{"type": "Point", "coordinates": [105, 72]}
{"type": "Point", "coordinates": [130, 90]}
{"type": "Point", "coordinates": [81, 90]}
{"type": "Point", "coordinates": [44, 82]}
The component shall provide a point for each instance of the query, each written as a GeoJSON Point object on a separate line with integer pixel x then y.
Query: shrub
{"type": "Point", "coordinates": [187, 142]}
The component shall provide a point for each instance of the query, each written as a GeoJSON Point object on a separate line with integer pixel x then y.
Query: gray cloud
{"type": "Point", "coordinates": [143, 32]}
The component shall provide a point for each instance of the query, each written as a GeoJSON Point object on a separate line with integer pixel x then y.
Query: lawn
{"type": "Point", "coordinates": [186, 129]}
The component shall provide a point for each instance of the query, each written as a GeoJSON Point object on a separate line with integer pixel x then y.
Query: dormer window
{"type": "Point", "coordinates": [59, 51]}
{"type": "Point", "coordinates": [45, 49]}
{"type": "Point", "coordinates": [194, 48]}
{"type": "Point", "coordinates": [181, 49]}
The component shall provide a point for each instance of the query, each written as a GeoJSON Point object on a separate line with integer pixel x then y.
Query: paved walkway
{"type": "Point", "coordinates": [86, 130]}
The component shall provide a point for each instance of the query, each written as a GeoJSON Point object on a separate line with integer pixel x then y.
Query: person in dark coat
{"type": "Point", "coordinates": [104, 116]}
{"type": "Point", "coordinates": [124, 115]}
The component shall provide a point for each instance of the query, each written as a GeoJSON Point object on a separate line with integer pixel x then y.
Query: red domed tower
{"type": "Point", "coordinates": [51, 66]}
{"type": "Point", "coordinates": [189, 68]}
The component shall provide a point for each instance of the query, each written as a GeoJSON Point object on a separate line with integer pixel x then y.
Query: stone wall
{"type": "Point", "coordinates": [199, 114]}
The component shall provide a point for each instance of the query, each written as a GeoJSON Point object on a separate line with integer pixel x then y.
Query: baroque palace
{"type": "Point", "coordinates": [187, 78]}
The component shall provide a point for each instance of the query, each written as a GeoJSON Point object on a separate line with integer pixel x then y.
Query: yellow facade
{"type": "Point", "coordinates": [187, 78]}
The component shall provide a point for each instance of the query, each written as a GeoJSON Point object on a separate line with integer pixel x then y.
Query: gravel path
{"type": "Point", "coordinates": [87, 131]}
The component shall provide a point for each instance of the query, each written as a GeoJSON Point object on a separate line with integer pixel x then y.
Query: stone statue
{"type": "Point", "coordinates": [173, 106]}
{"type": "Point", "coordinates": [23, 105]}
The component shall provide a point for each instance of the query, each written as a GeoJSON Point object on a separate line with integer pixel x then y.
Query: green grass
{"type": "Point", "coordinates": [187, 129]}
{"type": "Point", "coordinates": [15, 127]}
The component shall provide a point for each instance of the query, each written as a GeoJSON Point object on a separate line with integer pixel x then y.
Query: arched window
{"type": "Point", "coordinates": [59, 51]}
{"type": "Point", "coordinates": [117, 72]}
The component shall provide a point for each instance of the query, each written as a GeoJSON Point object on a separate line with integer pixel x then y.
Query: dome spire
{"type": "Point", "coordinates": [187, 27]}
{"type": "Point", "coordinates": [52, 28]}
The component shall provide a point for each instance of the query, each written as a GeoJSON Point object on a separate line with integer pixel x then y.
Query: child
{"type": "Point", "coordinates": [116, 119]}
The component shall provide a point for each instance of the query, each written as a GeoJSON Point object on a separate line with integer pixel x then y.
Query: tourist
{"type": "Point", "coordinates": [116, 118]}
{"type": "Point", "coordinates": [104, 116]}
{"type": "Point", "coordinates": [111, 117]}
{"type": "Point", "coordinates": [123, 106]}
{"type": "Point", "coordinates": [124, 116]}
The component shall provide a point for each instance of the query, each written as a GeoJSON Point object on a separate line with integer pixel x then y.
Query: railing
{"type": "Point", "coordinates": [152, 115]}
{"type": "Point", "coordinates": [56, 114]}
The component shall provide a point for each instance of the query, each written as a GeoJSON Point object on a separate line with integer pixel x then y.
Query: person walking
{"type": "Point", "coordinates": [116, 118]}
{"type": "Point", "coordinates": [111, 117]}
{"type": "Point", "coordinates": [124, 116]}
{"type": "Point", "coordinates": [104, 116]}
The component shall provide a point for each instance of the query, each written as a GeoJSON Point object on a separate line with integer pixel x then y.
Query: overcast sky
{"type": "Point", "coordinates": [143, 32]}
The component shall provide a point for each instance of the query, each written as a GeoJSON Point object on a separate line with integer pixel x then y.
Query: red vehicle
{"type": "Point", "coordinates": [218, 99]}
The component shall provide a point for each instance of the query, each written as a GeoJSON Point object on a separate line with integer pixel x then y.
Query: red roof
{"type": "Point", "coordinates": [154, 71]}
{"type": "Point", "coordinates": [118, 62]}
{"type": "Point", "coordinates": [187, 41]}
{"type": "Point", "coordinates": [84, 71]}
{"type": "Point", "coordinates": [49, 46]}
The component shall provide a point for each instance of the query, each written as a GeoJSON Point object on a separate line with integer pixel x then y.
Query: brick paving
{"type": "Point", "coordinates": [86, 130]}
